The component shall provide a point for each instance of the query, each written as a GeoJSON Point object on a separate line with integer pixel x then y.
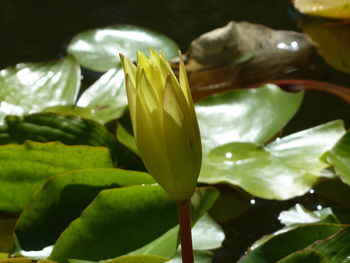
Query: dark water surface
{"type": "Point", "coordinates": [37, 30]}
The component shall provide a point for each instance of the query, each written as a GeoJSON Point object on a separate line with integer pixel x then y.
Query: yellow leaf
{"type": "Point", "coordinates": [339, 9]}
{"type": "Point", "coordinates": [332, 41]}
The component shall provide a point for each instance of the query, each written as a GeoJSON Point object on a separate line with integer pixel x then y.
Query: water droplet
{"type": "Point", "coordinates": [228, 155]}
{"type": "Point", "coordinates": [312, 191]}
{"type": "Point", "coordinates": [252, 201]}
{"type": "Point", "coordinates": [319, 207]}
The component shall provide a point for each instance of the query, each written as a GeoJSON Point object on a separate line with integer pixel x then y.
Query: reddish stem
{"type": "Point", "coordinates": [184, 210]}
{"type": "Point", "coordinates": [300, 84]}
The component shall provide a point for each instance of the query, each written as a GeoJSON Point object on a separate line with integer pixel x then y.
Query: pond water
{"type": "Point", "coordinates": [37, 30]}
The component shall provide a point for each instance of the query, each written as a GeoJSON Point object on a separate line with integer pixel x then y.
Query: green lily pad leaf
{"type": "Point", "coordinates": [99, 49]}
{"type": "Point", "coordinates": [253, 115]}
{"type": "Point", "coordinates": [236, 151]}
{"type": "Point", "coordinates": [126, 259]}
{"type": "Point", "coordinates": [117, 221]}
{"type": "Point", "coordinates": [336, 248]}
{"type": "Point", "coordinates": [71, 110]}
{"type": "Point", "coordinates": [125, 138]}
{"type": "Point", "coordinates": [63, 198]}
{"type": "Point", "coordinates": [304, 256]}
{"type": "Point", "coordinates": [339, 156]}
{"type": "Point", "coordinates": [31, 87]}
{"type": "Point", "coordinates": [300, 215]}
{"type": "Point", "coordinates": [17, 260]}
{"type": "Point", "coordinates": [166, 245]}
{"type": "Point", "coordinates": [46, 127]}
{"type": "Point", "coordinates": [106, 97]}
{"type": "Point", "coordinates": [123, 220]}
{"type": "Point", "coordinates": [25, 168]}
{"type": "Point", "coordinates": [199, 257]}
{"type": "Point", "coordinates": [331, 41]}
{"type": "Point", "coordinates": [207, 234]}
{"type": "Point", "coordinates": [283, 244]}
{"type": "Point", "coordinates": [137, 259]}
{"type": "Point", "coordinates": [283, 169]}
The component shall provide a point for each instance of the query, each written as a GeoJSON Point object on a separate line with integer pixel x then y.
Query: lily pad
{"type": "Point", "coordinates": [332, 41]}
{"type": "Point", "coordinates": [166, 245]}
{"type": "Point", "coordinates": [16, 260]}
{"type": "Point", "coordinates": [207, 234]}
{"type": "Point", "coordinates": [339, 156]}
{"type": "Point", "coordinates": [289, 166]}
{"type": "Point", "coordinates": [283, 244]}
{"type": "Point", "coordinates": [119, 221]}
{"type": "Point", "coordinates": [305, 256]}
{"type": "Point", "coordinates": [300, 215]}
{"type": "Point", "coordinates": [336, 248]}
{"type": "Point", "coordinates": [47, 127]}
{"type": "Point", "coordinates": [253, 115]}
{"type": "Point", "coordinates": [138, 259]}
{"type": "Point", "coordinates": [325, 8]}
{"type": "Point", "coordinates": [99, 49]}
{"type": "Point", "coordinates": [31, 87]}
{"type": "Point", "coordinates": [126, 259]}
{"type": "Point", "coordinates": [63, 198]}
{"type": "Point", "coordinates": [106, 97]}
{"type": "Point", "coordinates": [199, 257]}
{"type": "Point", "coordinates": [25, 168]}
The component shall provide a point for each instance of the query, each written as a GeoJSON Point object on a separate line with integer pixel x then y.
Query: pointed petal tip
{"type": "Point", "coordinates": [122, 58]}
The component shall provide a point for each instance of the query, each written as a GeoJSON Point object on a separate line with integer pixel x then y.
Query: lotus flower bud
{"type": "Point", "coordinates": [164, 123]}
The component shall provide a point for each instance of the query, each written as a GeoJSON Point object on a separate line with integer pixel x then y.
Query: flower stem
{"type": "Point", "coordinates": [185, 230]}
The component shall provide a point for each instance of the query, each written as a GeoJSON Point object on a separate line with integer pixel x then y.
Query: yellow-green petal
{"type": "Point", "coordinates": [131, 94]}
{"type": "Point", "coordinates": [150, 140]}
{"type": "Point", "coordinates": [184, 81]}
{"type": "Point", "coordinates": [129, 68]}
{"type": "Point", "coordinates": [148, 93]}
{"type": "Point", "coordinates": [179, 146]}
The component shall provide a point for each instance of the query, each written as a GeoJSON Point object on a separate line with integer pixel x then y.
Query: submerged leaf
{"type": "Point", "coordinates": [242, 54]}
